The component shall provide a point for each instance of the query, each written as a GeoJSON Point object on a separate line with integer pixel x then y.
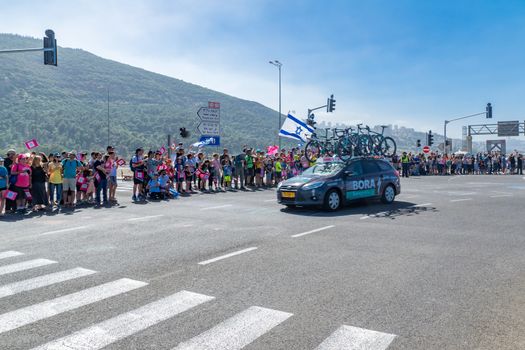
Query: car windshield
{"type": "Point", "coordinates": [324, 169]}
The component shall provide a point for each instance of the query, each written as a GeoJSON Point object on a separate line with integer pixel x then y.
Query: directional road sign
{"type": "Point", "coordinates": [209, 128]}
{"type": "Point", "coordinates": [212, 115]}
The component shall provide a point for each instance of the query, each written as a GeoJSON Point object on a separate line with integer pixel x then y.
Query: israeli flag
{"type": "Point", "coordinates": [295, 129]}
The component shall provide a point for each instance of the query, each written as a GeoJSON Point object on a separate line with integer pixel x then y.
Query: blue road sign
{"type": "Point", "coordinates": [210, 140]}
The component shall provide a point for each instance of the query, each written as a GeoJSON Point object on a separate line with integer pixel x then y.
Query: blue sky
{"type": "Point", "coordinates": [406, 62]}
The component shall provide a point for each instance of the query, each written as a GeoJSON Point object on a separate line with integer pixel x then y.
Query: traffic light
{"type": "Point", "coordinates": [488, 111]}
{"type": "Point", "coordinates": [50, 48]}
{"type": "Point", "coordinates": [330, 104]}
{"type": "Point", "coordinates": [418, 143]}
{"type": "Point", "coordinates": [184, 133]}
{"type": "Point", "coordinates": [430, 138]}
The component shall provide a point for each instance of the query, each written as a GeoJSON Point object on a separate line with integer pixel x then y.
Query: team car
{"type": "Point", "coordinates": [330, 183]}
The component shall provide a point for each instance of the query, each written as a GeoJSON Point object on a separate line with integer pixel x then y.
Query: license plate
{"type": "Point", "coordinates": [288, 194]}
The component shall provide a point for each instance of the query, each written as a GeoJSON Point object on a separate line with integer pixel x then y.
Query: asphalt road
{"type": "Point", "coordinates": [441, 268]}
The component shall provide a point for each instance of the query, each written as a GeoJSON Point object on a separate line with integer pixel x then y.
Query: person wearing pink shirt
{"type": "Point", "coordinates": [22, 171]}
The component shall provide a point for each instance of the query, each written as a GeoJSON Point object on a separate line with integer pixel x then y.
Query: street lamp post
{"type": "Point", "coordinates": [278, 65]}
{"type": "Point", "coordinates": [453, 120]}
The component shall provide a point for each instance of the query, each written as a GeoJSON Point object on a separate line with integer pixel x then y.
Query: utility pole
{"type": "Point", "coordinates": [108, 115]}
{"type": "Point", "coordinates": [278, 65]}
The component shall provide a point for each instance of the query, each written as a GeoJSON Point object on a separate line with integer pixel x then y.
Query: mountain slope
{"type": "Point", "coordinates": [65, 107]}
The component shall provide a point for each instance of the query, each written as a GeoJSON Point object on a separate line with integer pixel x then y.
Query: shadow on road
{"type": "Point", "coordinates": [372, 209]}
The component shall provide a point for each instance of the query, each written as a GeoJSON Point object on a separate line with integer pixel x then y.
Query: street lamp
{"type": "Point", "coordinates": [278, 65]}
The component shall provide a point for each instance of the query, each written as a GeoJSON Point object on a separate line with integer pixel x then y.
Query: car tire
{"type": "Point", "coordinates": [332, 200]}
{"type": "Point", "coordinates": [389, 194]}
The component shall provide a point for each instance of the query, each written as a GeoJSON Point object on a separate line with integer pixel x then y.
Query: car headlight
{"type": "Point", "coordinates": [279, 184]}
{"type": "Point", "coordinates": [313, 185]}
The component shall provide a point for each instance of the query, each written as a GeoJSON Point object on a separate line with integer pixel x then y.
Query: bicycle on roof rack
{"type": "Point", "coordinates": [345, 143]}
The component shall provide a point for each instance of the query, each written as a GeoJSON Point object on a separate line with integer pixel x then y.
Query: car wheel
{"type": "Point", "coordinates": [389, 194]}
{"type": "Point", "coordinates": [332, 200]}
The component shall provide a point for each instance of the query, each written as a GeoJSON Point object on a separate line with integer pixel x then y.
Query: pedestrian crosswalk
{"type": "Point", "coordinates": [234, 333]}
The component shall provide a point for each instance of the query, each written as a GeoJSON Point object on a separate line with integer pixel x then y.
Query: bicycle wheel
{"type": "Point", "coordinates": [365, 145]}
{"type": "Point", "coordinates": [343, 149]}
{"type": "Point", "coordinates": [312, 150]}
{"type": "Point", "coordinates": [388, 147]}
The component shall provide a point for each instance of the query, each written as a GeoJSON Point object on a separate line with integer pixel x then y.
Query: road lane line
{"type": "Point", "coordinates": [24, 265]}
{"type": "Point", "coordinates": [64, 230]}
{"type": "Point", "coordinates": [364, 217]}
{"type": "Point", "coordinates": [354, 338]}
{"type": "Point", "coordinates": [206, 262]}
{"type": "Point", "coordinates": [33, 313]}
{"type": "Point", "coordinates": [217, 207]}
{"type": "Point", "coordinates": [461, 200]}
{"type": "Point", "coordinates": [421, 205]}
{"type": "Point", "coordinates": [270, 200]}
{"type": "Point", "coordinates": [501, 196]}
{"type": "Point", "coordinates": [114, 329]}
{"type": "Point", "coordinates": [9, 254]}
{"type": "Point", "coordinates": [145, 217]}
{"type": "Point", "coordinates": [43, 281]}
{"type": "Point", "coordinates": [312, 231]}
{"type": "Point", "coordinates": [238, 331]}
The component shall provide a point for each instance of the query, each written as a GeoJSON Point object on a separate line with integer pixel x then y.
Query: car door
{"type": "Point", "coordinates": [353, 178]}
{"type": "Point", "coordinates": [372, 174]}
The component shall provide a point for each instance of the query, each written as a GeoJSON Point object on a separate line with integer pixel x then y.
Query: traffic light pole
{"type": "Point", "coordinates": [453, 120]}
{"type": "Point", "coordinates": [26, 50]}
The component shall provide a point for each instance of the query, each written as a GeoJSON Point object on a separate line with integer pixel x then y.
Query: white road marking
{"type": "Point", "coordinates": [313, 231]}
{"type": "Point", "coordinates": [25, 265]}
{"type": "Point", "coordinates": [33, 313]}
{"type": "Point", "coordinates": [237, 331]}
{"type": "Point", "coordinates": [217, 207]}
{"type": "Point", "coordinates": [501, 195]}
{"type": "Point", "coordinates": [64, 230]}
{"type": "Point", "coordinates": [364, 217]}
{"type": "Point", "coordinates": [461, 200]}
{"type": "Point", "coordinates": [422, 205]}
{"type": "Point", "coordinates": [354, 338]}
{"type": "Point", "coordinates": [9, 254]}
{"type": "Point", "coordinates": [206, 262]}
{"type": "Point", "coordinates": [145, 217]}
{"type": "Point", "coordinates": [271, 200]}
{"type": "Point", "coordinates": [43, 281]}
{"type": "Point", "coordinates": [114, 329]}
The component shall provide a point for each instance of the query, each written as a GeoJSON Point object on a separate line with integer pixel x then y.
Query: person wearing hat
{"type": "Point", "coordinates": [4, 184]}
{"type": "Point", "coordinates": [54, 172]}
{"type": "Point", "coordinates": [70, 167]}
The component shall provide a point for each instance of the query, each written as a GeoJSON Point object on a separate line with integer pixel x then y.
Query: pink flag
{"type": "Point", "coordinates": [10, 195]}
{"type": "Point", "coordinates": [31, 144]}
{"type": "Point", "coordinates": [272, 150]}
{"type": "Point", "coordinates": [28, 194]}
{"type": "Point", "coordinates": [162, 150]}
{"type": "Point", "coordinates": [121, 162]}
{"type": "Point", "coordinates": [97, 177]}
{"type": "Point", "coordinates": [81, 180]}
{"type": "Point", "coordinates": [139, 175]}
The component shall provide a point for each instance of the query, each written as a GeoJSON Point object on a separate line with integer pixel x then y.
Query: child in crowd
{"type": "Point", "coordinates": [153, 186]}
{"type": "Point", "coordinates": [164, 183]}
{"type": "Point", "coordinates": [227, 172]}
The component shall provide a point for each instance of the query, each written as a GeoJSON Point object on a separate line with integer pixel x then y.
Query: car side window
{"type": "Point", "coordinates": [385, 166]}
{"type": "Point", "coordinates": [370, 167]}
{"type": "Point", "coordinates": [355, 168]}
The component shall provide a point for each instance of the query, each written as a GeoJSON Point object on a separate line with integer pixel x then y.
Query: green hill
{"type": "Point", "coordinates": [65, 107]}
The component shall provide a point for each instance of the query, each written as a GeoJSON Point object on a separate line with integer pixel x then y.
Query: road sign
{"type": "Point", "coordinates": [209, 128]}
{"type": "Point", "coordinates": [210, 140]}
{"type": "Point", "coordinates": [426, 149]}
{"type": "Point", "coordinates": [510, 128]}
{"type": "Point", "coordinates": [212, 115]}
{"type": "Point", "coordinates": [210, 119]}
